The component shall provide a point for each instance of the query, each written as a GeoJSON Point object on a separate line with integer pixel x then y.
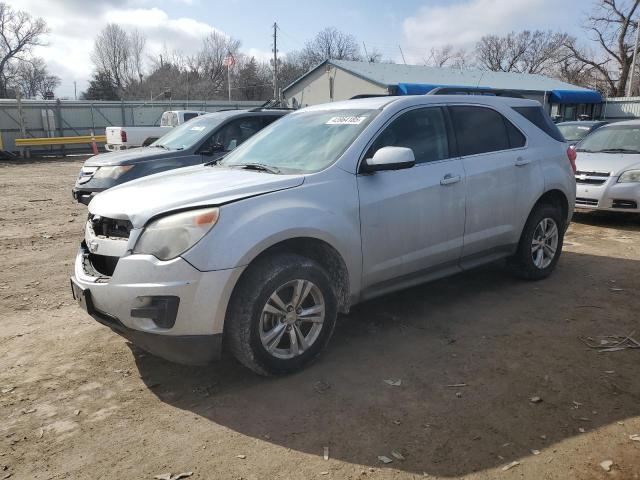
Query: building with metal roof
{"type": "Point", "coordinates": [334, 80]}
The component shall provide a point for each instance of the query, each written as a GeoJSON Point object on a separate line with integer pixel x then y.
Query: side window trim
{"type": "Point", "coordinates": [374, 137]}
{"type": "Point", "coordinates": [526, 139]}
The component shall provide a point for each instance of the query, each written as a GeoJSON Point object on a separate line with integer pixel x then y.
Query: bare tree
{"type": "Point", "coordinates": [330, 43]}
{"type": "Point", "coordinates": [447, 56]}
{"type": "Point", "coordinates": [137, 42]}
{"type": "Point", "coordinates": [33, 79]}
{"type": "Point", "coordinates": [523, 52]}
{"type": "Point", "coordinates": [253, 79]}
{"type": "Point", "coordinates": [19, 33]}
{"type": "Point", "coordinates": [612, 29]}
{"type": "Point", "coordinates": [120, 54]}
{"type": "Point", "coordinates": [211, 58]}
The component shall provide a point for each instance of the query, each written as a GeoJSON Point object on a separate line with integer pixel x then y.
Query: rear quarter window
{"type": "Point", "coordinates": [540, 119]}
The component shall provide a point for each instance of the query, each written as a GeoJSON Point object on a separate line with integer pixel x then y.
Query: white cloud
{"type": "Point", "coordinates": [261, 55]}
{"type": "Point", "coordinates": [463, 23]}
{"type": "Point", "coordinates": [74, 24]}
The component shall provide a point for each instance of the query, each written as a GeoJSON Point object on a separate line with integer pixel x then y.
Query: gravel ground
{"type": "Point", "coordinates": [79, 402]}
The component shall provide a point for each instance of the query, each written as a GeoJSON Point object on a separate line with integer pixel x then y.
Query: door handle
{"type": "Point", "coordinates": [450, 179]}
{"type": "Point", "coordinates": [520, 161]}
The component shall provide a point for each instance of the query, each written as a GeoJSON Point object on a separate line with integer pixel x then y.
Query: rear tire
{"type": "Point", "coordinates": [540, 244]}
{"type": "Point", "coordinates": [281, 315]}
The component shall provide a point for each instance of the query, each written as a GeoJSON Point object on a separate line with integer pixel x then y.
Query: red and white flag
{"type": "Point", "coordinates": [229, 61]}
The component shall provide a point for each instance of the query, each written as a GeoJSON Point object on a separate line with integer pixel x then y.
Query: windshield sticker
{"type": "Point", "coordinates": [197, 129]}
{"type": "Point", "coordinates": [346, 120]}
{"type": "Point", "coordinates": [583, 128]}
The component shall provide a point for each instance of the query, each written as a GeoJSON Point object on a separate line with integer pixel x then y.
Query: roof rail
{"type": "Point", "coordinates": [474, 91]}
{"type": "Point", "coordinates": [369, 95]}
{"type": "Point", "coordinates": [266, 109]}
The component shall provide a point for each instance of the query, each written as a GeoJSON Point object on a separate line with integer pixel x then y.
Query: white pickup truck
{"type": "Point", "coordinates": [121, 138]}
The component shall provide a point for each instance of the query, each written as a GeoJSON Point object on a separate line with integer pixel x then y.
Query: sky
{"type": "Point", "coordinates": [416, 26]}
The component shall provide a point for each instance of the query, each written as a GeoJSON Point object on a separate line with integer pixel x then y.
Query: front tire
{"type": "Point", "coordinates": [281, 315]}
{"type": "Point", "coordinates": [540, 243]}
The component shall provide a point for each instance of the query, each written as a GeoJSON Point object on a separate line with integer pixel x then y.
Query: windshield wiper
{"type": "Point", "coordinates": [618, 150]}
{"type": "Point", "coordinates": [261, 167]}
{"type": "Point", "coordinates": [159, 145]}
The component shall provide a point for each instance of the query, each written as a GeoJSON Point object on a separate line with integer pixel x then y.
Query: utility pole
{"type": "Point", "coordinates": [75, 92]}
{"type": "Point", "coordinates": [366, 54]}
{"type": "Point", "coordinates": [633, 62]}
{"type": "Point", "coordinates": [275, 63]}
{"type": "Point", "coordinates": [229, 77]}
{"type": "Point", "coordinates": [405, 62]}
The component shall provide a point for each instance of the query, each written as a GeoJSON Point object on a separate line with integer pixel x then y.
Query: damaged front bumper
{"type": "Point", "coordinates": [168, 308]}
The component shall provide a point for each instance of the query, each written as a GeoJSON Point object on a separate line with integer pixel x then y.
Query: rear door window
{"type": "Point", "coordinates": [423, 130]}
{"type": "Point", "coordinates": [479, 130]}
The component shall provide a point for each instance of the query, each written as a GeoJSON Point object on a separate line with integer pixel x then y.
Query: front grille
{"type": "Point", "coordinates": [591, 202]}
{"type": "Point", "coordinates": [110, 227]}
{"type": "Point", "coordinates": [99, 266]}
{"type": "Point", "coordinates": [591, 178]}
{"type": "Point", "coordinates": [624, 204]}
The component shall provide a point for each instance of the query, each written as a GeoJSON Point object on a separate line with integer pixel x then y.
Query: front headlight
{"type": "Point", "coordinates": [168, 237]}
{"type": "Point", "coordinates": [630, 176]}
{"type": "Point", "coordinates": [112, 172]}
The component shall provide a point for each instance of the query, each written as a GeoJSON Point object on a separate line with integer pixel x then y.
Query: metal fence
{"type": "Point", "coordinates": [66, 118]}
{"type": "Point", "coordinates": [617, 108]}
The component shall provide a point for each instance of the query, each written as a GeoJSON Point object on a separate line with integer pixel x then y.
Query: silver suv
{"type": "Point", "coordinates": [327, 207]}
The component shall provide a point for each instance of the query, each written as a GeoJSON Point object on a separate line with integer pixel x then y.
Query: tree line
{"type": "Point", "coordinates": [125, 69]}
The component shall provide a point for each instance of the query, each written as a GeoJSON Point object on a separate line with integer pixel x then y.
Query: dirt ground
{"type": "Point", "coordinates": [78, 402]}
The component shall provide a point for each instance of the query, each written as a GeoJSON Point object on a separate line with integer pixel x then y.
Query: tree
{"type": "Point", "coordinates": [211, 58]}
{"type": "Point", "coordinates": [101, 87]}
{"type": "Point", "coordinates": [253, 80]}
{"type": "Point", "coordinates": [33, 79]}
{"type": "Point", "coordinates": [523, 52]}
{"type": "Point", "coordinates": [119, 54]}
{"type": "Point", "coordinates": [613, 31]}
{"type": "Point", "coordinates": [447, 56]}
{"type": "Point", "coordinates": [330, 43]}
{"type": "Point", "coordinates": [19, 33]}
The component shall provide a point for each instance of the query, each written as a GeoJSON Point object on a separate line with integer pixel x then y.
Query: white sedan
{"type": "Point", "coordinates": [608, 169]}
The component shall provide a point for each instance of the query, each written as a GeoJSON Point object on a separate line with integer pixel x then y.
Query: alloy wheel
{"type": "Point", "coordinates": [292, 319]}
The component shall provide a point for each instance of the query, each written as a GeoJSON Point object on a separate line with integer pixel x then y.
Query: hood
{"type": "Point", "coordinates": [201, 185]}
{"type": "Point", "coordinates": [129, 157]}
{"type": "Point", "coordinates": [614, 163]}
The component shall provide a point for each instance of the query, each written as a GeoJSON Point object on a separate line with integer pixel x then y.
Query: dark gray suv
{"type": "Point", "coordinates": [204, 139]}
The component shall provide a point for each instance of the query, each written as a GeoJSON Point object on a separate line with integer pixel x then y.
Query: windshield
{"type": "Point", "coordinates": [188, 134]}
{"type": "Point", "coordinates": [574, 132]}
{"type": "Point", "coordinates": [302, 142]}
{"type": "Point", "coordinates": [614, 139]}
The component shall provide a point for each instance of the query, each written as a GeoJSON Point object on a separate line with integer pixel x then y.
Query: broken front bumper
{"type": "Point", "coordinates": [130, 302]}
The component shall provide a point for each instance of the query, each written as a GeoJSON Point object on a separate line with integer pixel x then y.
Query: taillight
{"type": "Point", "coordinates": [123, 136]}
{"type": "Point", "coordinates": [571, 155]}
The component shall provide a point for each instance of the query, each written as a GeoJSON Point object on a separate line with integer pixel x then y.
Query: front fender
{"type": "Point", "coordinates": [322, 210]}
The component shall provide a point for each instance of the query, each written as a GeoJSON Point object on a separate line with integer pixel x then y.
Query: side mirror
{"type": "Point", "coordinates": [390, 158]}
